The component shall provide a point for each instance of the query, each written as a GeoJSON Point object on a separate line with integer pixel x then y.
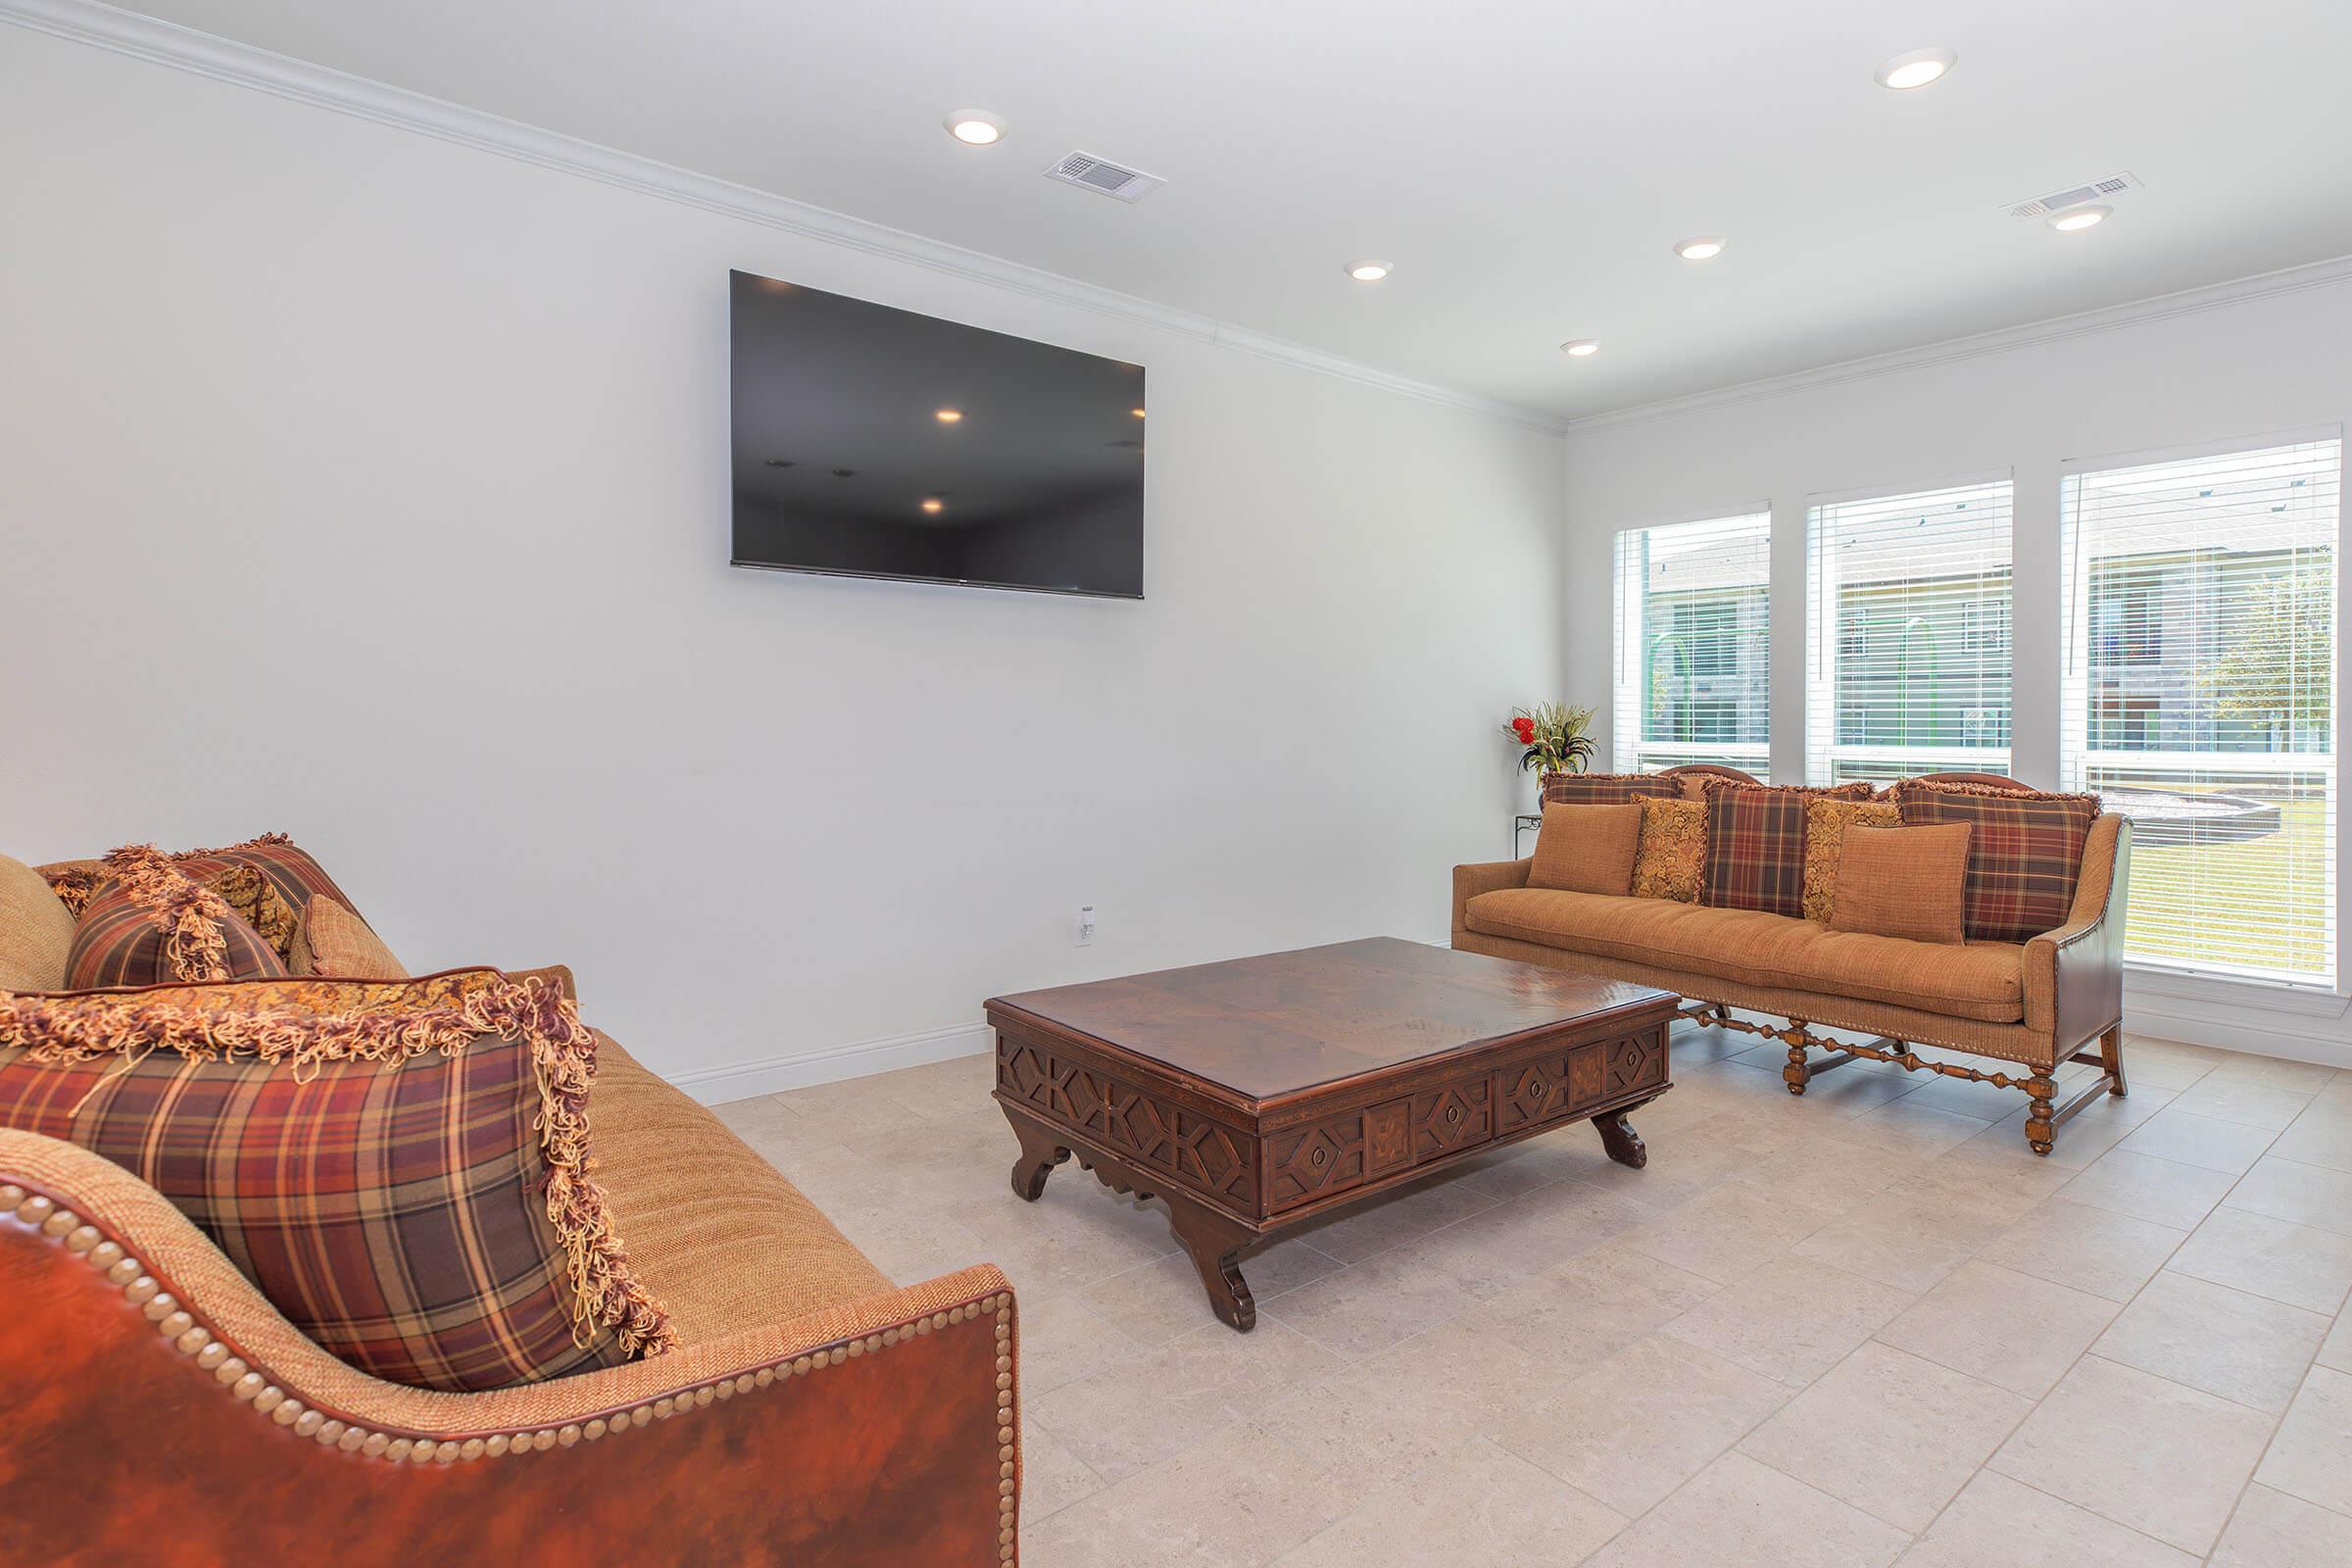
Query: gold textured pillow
{"type": "Point", "coordinates": [1672, 861]}
{"type": "Point", "coordinates": [36, 930]}
{"type": "Point", "coordinates": [1586, 849]}
{"type": "Point", "coordinates": [1903, 882]}
{"type": "Point", "coordinates": [1825, 822]}
{"type": "Point", "coordinates": [333, 941]}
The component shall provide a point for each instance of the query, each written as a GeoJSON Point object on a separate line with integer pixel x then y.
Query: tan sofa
{"type": "Point", "coordinates": [2038, 1003]}
{"type": "Point", "coordinates": [812, 1412]}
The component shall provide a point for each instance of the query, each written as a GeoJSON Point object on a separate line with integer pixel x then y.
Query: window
{"type": "Point", "coordinates": [2199, 698]}
{"type": "Point", "coordinates": [1908, 601]}
{"type": "Point", "coordinates": [1693, 676]}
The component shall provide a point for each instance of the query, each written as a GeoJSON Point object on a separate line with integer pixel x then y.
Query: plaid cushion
{"type": "Point", "coordinates": [291, 873]}
{"type": "Point", "coordinates": [150, 922]}
{"type": "Point", "coordinates": [399, 1166]}
{"type": "Point", "coordinates": [1756, 844]}
{"type": "Point", "coordinates": [1607, 789]}
{"type": "Point", "coordinates": [2022, 857]}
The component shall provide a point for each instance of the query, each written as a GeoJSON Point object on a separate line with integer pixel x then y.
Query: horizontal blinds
{"type": "Point", "coordinates": [1908, 634]}
{"type": "Point", "coordinates": [1694, 668]}
{"type": "Point", "coordinates": [2198, 699]}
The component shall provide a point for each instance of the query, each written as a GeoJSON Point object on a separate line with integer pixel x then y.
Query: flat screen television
{"type": "Point", "coordinates": [873, 442]}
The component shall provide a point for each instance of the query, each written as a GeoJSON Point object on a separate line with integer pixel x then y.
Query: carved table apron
{"type": "Point", "coordinates": [1238, 1167]}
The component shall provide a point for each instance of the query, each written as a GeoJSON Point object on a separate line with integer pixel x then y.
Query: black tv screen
{"type": "Point", "coordinates": [877, 443]}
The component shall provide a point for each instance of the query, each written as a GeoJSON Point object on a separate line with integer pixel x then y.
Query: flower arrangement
{"type": "Point", "coordinates": [1553, 737]}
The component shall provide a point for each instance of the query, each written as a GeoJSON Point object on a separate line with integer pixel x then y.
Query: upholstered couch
{"type": "Point", "coordinates": [161, 1411]}
{"type": "Point", "coordinates": [2040, 1002]}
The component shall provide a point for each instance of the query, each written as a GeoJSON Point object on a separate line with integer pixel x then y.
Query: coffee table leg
{"type": "Point", "coordinates": [1040, 1154]}
{"type": "Point", "coordinates": [1617, 1136]}
{"type": "Point", "coordinates": [1215, 1244]}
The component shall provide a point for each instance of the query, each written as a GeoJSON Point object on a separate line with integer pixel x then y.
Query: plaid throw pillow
{"type": "Point", "coordinates": [290, 873]}
{"type": "Point", "coordinates": [1607, 789]}
{"type": "Point", "coordinates": [1756, 844]}
{"type": "Point", "coordinates": [2022, 857]}
{"type": "Point", "coordinates": [400, 1167]}
{"type": "Point", "coordinates": [150, 923]}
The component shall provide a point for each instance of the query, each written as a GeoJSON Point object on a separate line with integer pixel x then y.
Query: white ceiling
{"type": "Point", "coordinates": [1526, 166]}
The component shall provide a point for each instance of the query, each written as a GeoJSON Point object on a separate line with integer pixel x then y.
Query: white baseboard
{"type": "Point", "coordinates": [2283, 1035]}
{"type": "Point", "coordinates": [715, 1086]}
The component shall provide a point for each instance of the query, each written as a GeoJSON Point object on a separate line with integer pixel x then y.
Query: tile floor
{"type": "Point", "coordinates": [1859, 1328]}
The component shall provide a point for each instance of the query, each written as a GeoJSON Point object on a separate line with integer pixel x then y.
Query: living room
{"type": "Point", "coordinates": [1932, 392]}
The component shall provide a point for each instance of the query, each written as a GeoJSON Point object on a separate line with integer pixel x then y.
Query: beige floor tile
{"type": "Point", "coordinates": [2307, 1195]}
{"type": "Point", "coordinates": [2014, 1330]}
{"type": "Point", "coordinates": [2338, 1350]}
{"type": "Point", "coordinates": [1791, 1320]}
{"type": "Point", "coordinates": [2092, 1250]}
{"type": "Point", "coordinates": [1373, 1426]}
{"type": "Point", "coordinates": [2304, 1077]}
{"type": "Point", "coordinates": [1963, 1097]}
{"type": "Point", "coordinates": [1494, 1250]}
{"type": "Point", "coordinates": [2141, 1450]}
{"type": "Point", "coordinates": [2243, 1347]}
{"type": "Point", "coordinates": [1237, 1499]}
{"type": "Point", "coordinates": [2272, 1529]}
{"type": "Point", "coordinates": [1478, 1505]}
{"type": "Point", "coordinates": [1364, 1310]}
{"type": "Point", "coordinates": [1894, 1435]}
{"type": "Point", "coordinates": [1360, 1232]}
{"type": "Point", "coordinates": [1638, 1425]}
{"type": "Point", "coordinates": [1982, 1180]}
{"type": "Point", "coordinates": [1154, 1302]}
{"type": "Point", "coordinates": [1826, 1171]}
{"type": "Point", "coordinates": [1597, 1303]}
{"type": "Point", "coordinates": [2237, 1097]}
{"type": "Point", "coordinates": [2321, 1135]}
{"type": "Point", "coordinates": [1737, 1515]}
{"type": "Point", "coordinates": [1911, 1127]}
{"type": "Point", "coordinates": [1051, 1476]}
{"type": "Point", "coordinates": [2264, 1256]}
{"type": "Point", "coordinates": [1999, 1523]}
{"type": "Point", "coordinates": [1908, 1244]}
{"type": "Point", "coordinates": [2194, 1140]}
{"type": "Point", "coordinates": [1727, 1233]}
{"type": "Point", "coordinates": [2312, 1456]}
{"type": "Point", "coordinates": [2164, 1192]}
{"type": "Point", "coordinates": [2093, 1131]}
{"type": "Point", "coordinates": [2167, 1063]}
{"type": "Point", "coordinates": [1061, 1340]}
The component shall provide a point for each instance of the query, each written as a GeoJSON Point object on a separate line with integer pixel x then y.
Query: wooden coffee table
{"type": "Point", "coordinates": [1256, 1095]}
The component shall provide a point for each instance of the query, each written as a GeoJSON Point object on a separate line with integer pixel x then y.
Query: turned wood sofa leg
{"type": "Point", "coordinates": [2039, 1125]}
{"type": "Point", "coordinates": [1797, 1075]}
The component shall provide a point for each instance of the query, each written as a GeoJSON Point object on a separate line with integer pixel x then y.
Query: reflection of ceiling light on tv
{"type": "Point", "coordinates": [948, 416]}
{"type": "Point", "coordinates": [934, 506]}
{"type": "Point", "coordinates": [779, 463]}
{"type": "Point", "coordinates": [844, 473]}
{"type": "Point", "coordinates": [1138, 412]}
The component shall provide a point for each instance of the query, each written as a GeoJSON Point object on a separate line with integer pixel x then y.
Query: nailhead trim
{"type": "Point", "coordinates": [191, 1339]}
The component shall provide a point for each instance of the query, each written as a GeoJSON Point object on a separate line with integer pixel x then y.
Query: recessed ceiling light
{"type": "Point", "coordinates": [1580, 348]}
{"type": "Point", "coordinates": [1369, 272]}
{"type": "Point", "coordinates": [948, 416]}
{"type": "Point", "coordinates": [2075, 220]}
{"type": "Point", "coordinates": [934, 506]}
{"type": "Point", "coordinates": [1702, 248]}
{"type": "Point", "coordinates": [976, 127]}
{"type": "Point", "coordinates": [1916, 69]}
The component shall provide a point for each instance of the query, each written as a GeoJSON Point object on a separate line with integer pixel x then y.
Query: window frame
{"type": "Point", "coordinates": [1631, 751]}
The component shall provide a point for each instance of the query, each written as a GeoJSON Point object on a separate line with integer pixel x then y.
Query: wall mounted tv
{"type": "Point", "coordinates": [877, 443]}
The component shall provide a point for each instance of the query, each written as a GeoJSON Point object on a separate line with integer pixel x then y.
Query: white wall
{"type": "Point", "coordinates": [372, 488]}
{"type": "Point", "coordinates": [2279, 360]}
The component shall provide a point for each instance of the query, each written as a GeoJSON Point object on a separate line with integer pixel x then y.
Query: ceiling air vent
{"type": "Point", "coordinates": [2098, 190]}
{"type": "Point", "coordinates": [1089, 173]}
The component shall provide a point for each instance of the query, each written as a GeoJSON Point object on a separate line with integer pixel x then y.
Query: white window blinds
{"type": "Point", "coordinates": [1694, 666]}
{"type": "Point", "coordinates": [1908, 635]}
{"type": "Point", "coordinates": [2199, 698]}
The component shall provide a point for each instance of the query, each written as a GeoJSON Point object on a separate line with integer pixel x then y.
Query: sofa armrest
{"type": "Point", "coordinates": [2074, 976]}
{"type": "Point", "coordinates": [141, 1364]}
{"type": "Point", "coordinates": [1488, 876]}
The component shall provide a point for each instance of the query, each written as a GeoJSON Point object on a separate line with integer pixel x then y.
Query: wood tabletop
{"type": "Point", "coordinates": [1281, 1022]}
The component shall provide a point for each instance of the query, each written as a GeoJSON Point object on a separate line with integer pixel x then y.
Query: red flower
{"type": "Point", "coordinates": [1526, 730]}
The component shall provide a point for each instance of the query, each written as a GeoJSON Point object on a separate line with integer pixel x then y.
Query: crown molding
{"type": "Point", "coordinates": [2003, 340]}
{"type": "Point", "coordinates": [143, 37]}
